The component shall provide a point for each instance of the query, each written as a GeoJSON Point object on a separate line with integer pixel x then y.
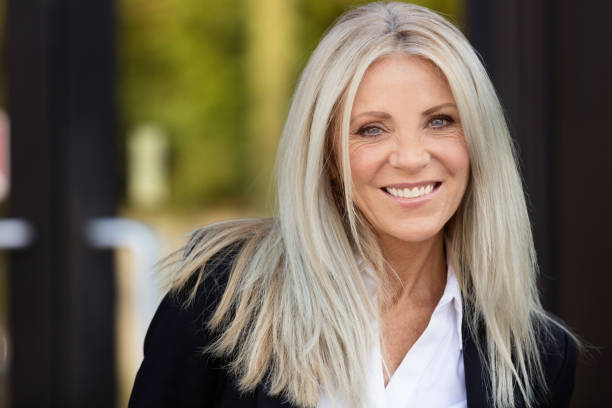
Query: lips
{"type": "Point", "coordinates": [412, 190]}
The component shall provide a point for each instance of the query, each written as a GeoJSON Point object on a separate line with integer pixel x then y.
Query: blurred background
{"type": "Point", "coordinates": [126, 124]}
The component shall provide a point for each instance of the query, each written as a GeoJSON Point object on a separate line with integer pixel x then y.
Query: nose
{"type": "Point", "coordinates": [409, 153]}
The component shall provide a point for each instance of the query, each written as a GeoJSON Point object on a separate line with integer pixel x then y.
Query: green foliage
{"type": "Point", "coordinates": [181, 68]}
{"type": "Point", "coordinates": [316, 16]}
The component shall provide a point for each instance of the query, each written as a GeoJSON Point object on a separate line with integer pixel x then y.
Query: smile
{"type": "Point", "coordinates": [414, 192]}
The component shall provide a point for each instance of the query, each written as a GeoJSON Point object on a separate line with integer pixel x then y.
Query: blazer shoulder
{"type": "Point", "coordinates": [176, 369]}
{"type": "Point", "coordinates": [558, 353]}
{"type": "Point", "coordinates": [208, 288]}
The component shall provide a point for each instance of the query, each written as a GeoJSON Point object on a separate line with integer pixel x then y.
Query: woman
{"type": "Point", "coordinates": [400, 270]}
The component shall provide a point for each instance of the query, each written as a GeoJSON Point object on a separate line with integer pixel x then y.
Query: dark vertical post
{"type": "Point", "coordinates": [582, 112]}
{"type": "Point", "coordinates": [513, 40]}
{"type": "Point", "coordinates": [31, 313]}
{"type": "Point", "coordinates": [552, 66]}
{"type": "Point", "coordinates": [61, 97]}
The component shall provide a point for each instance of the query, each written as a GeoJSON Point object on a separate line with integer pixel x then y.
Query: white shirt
{"type": "Point", "coordinates": [431, 373]}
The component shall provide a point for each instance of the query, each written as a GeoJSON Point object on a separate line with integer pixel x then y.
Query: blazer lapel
{"type": "Point", "coordinates": [476, 378]}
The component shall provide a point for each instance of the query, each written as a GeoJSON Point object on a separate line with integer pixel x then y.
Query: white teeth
{"type": "Point", "coordinates": [410, 193]}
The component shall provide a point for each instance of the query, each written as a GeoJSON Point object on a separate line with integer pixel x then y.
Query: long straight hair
{"type": "Point", "coordinates": [295, 313]}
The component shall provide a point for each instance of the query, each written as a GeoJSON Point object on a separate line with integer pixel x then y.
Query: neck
{"type": "Point", "coordinates": [418, 269]}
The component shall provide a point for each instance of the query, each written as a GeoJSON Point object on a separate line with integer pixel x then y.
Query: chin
{"type": "Point", "coordinates": [414, 235]}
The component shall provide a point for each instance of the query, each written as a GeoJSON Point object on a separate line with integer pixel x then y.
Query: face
{"type": "Point", "coordinates": [408, 157]}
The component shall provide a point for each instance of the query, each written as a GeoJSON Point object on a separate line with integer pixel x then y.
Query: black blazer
{"type": "Point", "coordinates": [175, 372]}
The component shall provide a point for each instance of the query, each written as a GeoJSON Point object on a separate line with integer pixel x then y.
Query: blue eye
{"type": "Point", "coordinates": [370, 131]}
{"type": "Point", "coordinates": [440, 122]}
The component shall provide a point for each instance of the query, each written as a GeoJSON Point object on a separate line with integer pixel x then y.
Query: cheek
{"type": "Point", "coordinates": [359, 165]}
{"type": "Point", "coordinates": [460, 162]}
{"type": "Point", "coordinates": [457, 160]}
{"type": "Point", "coordinates": [358, 170]}
{"type": "Point", "coordinates": [365, 160]}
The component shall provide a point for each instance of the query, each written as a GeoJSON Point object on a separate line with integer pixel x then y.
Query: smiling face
{"type": "Point", "coordinates": [408, 157]}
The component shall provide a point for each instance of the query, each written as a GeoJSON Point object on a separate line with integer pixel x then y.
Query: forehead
{"type": "Point", "coordinates": [401, 61]}
{"type": "Point", "coordinates": [402, 75]}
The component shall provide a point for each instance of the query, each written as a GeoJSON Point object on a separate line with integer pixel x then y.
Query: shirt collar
{"type": "Point", "coordinates": [451, 294]}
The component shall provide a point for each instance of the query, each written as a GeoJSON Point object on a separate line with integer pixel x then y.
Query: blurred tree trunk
{"type": "Point", "coordinates": [271, 75]}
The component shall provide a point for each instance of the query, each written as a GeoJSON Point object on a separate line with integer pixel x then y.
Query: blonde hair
{"type": "Point", "coordinates": [295, 313]}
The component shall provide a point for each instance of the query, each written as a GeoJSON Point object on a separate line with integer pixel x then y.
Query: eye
{"type": "Point", "coordinates": [370, 130]}
{"type": "Point", "coordinates": [440, 121]}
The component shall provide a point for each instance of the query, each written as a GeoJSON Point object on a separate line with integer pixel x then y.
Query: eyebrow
{"type": "Point", "coordinates": [381, 115]}
{"type": "Point", "coordinates": [385, 115]}
{"type": "Point", "coordinates": [438, 107]}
